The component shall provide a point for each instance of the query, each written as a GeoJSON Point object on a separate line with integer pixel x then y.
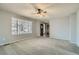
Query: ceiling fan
{"type": "Point", "coordinates": [39, 10]}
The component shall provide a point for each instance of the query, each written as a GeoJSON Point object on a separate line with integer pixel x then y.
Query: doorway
{"type": "Point", "coordinates": [41, 30]}
{"type": "Point", "coordinates": [47, 29]}
{"type": "Point", "coordinates": [44, 29]}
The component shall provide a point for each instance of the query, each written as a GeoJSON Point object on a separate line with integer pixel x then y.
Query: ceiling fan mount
{"type": "Point", "coordinates": [39, 11]}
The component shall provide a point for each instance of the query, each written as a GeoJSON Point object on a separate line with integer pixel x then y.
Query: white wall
{"type": "Point", "coordinates": [77, 28]}
{"type": "Point", "coordinates": [38, 28]}
{"type": "Point", "coordinates": [5, 28]}
{"type": "Point", "coordinates": [59, 28]}
{"type": "Point", "coordinates": [72, 28]}
{"type": "Point", "coordinates": [65, 28]}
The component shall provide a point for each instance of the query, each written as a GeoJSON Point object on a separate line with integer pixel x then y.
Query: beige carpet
{"type": "Point", "coordinates": [40, 46]}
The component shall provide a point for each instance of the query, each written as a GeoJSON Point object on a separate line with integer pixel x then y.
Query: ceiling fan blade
{"type": "Point", "coordinates": [45, 12]}
{"type": "Point", "coordinates": [35, 8]}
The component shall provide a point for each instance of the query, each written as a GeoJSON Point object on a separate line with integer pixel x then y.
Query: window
{"type": "Point", "coordinates": [20, 26]}
{"type": "Point", "coordinates": [14, 26]}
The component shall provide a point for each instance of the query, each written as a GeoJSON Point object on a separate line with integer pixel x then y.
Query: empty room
{"type": "Point", "coordinates": [39, 28]}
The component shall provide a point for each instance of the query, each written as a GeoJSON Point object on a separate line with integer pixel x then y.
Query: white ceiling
{"type": "Point", "coordinates": [53, 9]}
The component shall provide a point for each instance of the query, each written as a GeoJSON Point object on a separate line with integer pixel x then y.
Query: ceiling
{"type": "Point", "coordinates": [53, 9]}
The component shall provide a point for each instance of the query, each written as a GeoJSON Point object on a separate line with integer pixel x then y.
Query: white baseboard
{"type": "Point", "coordinates": [15, 41]}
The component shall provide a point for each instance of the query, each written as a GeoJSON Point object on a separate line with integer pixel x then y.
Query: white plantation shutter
{"type": "Point", "coordinates": [20, 26]}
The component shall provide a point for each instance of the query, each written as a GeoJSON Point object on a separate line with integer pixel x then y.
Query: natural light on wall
{"type": "Point", "coordinates": [20, 26]}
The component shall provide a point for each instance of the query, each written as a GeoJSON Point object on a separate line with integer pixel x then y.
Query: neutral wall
{"type": "Point", "coordinates": [59, 28]}
{"type": "Point", "coordinates": [77, 31]}
{"type": "Point", "coordinates": [65, 28]}
{"type": "Point", "coordinates": [72, 28]}
{"type": "Point", "coordinates": [38, 28]}
{"type": "Point", "coordinates": [5, 28]}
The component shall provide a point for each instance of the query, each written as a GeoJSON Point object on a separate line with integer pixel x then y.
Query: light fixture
{"type": "Point", "coordinates": [40, 9]}
{"type": "Point", "coordinates": [40, 12]}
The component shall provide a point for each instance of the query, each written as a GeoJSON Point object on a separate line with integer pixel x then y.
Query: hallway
{"type": "Point", "coordinates": [40, 46]}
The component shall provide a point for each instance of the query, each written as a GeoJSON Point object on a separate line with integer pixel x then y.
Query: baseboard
{"type": "Point", "coordinates": [58, 39]}
{"type": "Point", "coordinates": [4, 44]}
{"type": "Point", "coordinates": [77, 45]}
{"type": "Point", "coordinates": [72, 42]}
